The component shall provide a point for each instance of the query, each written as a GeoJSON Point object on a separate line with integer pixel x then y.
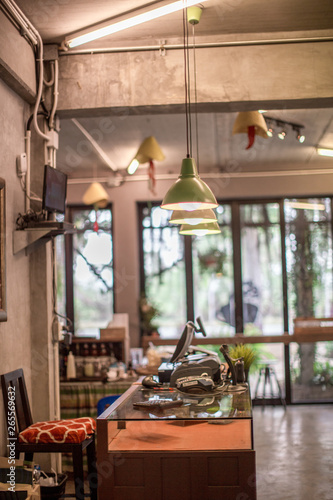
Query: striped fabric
{"type": "Point", "coordinates": [79, 399]}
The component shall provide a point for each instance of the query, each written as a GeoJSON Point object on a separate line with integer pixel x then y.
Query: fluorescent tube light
{"type": "Point", "coordinates": [129, 23]}
{"type": "Point", "coordinates": [325, 152]}
{"type": "Point", "coordinates": [303, 205]}
{"type": "Point", "coordinates": [132, 167]}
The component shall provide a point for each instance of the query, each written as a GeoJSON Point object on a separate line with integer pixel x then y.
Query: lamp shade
{"type": "Point", "coordinates": [96, 195]}
{"type": "Point", "coordinates": [247, 119]}
{"type": "Point", "coordinates": [149, 150]}
{"type": "Point", "coordinates": [200, 229]}
{"type": "Point", "coordinates": [192, 218]}
{"type": "Point", "coordinates": [189, 192]}
{"type": "Point", "coordinates": [251, 123]}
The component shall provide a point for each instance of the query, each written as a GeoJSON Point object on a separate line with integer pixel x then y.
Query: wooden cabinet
{"type": "Point", "coordinates": [201, 450]}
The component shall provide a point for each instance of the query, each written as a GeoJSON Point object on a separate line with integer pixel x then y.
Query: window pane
{"type": "Point", "coordinates": [312, 378]}
{"type": "Point", "coordinates": [309, 258]}
{"type": "Point", "coordinates": [267, 376]}
{"type": "Point", "coordinates": [213, 277]}
{"type": "Point", "coordinates": [92, 272]}
{"type": "Point", "coordinates": [310, 291]}
{"type": "Point", "coordinates": [261, 269]}
{"type": "Point", "coordinates": [164, 269]}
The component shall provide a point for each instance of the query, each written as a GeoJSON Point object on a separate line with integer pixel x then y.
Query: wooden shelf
{"type": "Point", "coordinates": [316, 335]}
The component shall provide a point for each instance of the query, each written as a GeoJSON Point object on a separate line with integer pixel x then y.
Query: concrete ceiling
{"type": "Point", "coordinates": [222, 21]}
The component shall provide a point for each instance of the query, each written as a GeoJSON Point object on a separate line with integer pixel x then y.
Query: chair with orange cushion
{"type": "Point", "coordinates": [58, 436]}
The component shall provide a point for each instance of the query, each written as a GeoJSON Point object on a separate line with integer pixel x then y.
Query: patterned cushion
{"type": "Point", "coordinates": [73, 430]}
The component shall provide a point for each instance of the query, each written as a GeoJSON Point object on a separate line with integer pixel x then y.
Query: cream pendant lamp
{"type": "Point", "coordinates": [189, 192]}
{"type": "Point", "coordinates": [148, 151]}
{"type": "Point", "coordinates": [96, 196]}
{"type": "Point", "coordinates": [192, 218]}
{"type": "Point", "coordinates": [202, 229]}
{"type": "Point", "coordinates": [251, 123]}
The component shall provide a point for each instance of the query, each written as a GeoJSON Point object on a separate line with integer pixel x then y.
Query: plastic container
{"type": "Point", "coordinates": [54, 492]}
{"type": "Point", "coordinates": [71, 371]}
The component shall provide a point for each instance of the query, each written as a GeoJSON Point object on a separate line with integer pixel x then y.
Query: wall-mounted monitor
{"type": "Point", "coordinates": [54, 190]}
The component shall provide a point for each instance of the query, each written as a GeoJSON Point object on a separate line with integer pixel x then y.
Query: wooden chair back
{"type": "Point", "coordinates": [14, 391]}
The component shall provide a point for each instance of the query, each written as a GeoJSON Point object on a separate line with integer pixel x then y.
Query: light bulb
{"type": "Point", "coordinates": [133, 166]}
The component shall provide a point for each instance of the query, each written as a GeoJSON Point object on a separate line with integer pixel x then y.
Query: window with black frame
{"type": "Point", "coordinates": [271, 263]}
{"type": "Point", "coordinates": [163, 287]}
{"type": "Point", "coordinates": [89, 270]}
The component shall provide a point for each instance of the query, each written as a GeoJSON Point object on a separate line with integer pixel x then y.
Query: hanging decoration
{"type": "Point", "coordinates": [147, 152]}
{"type": "Point", "coordinates": [98, 198]}
{"type": "Point", "coordinates": [251, 123]}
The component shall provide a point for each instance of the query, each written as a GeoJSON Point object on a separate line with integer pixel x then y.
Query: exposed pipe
{"type": "Point", "coordinates": [24, 21]}
{"type": "Point", "coordinates": [21, 20]}
{"type": "Point", "coordinates": [27, 177]}
{"type": "Point", "coordinates": [50, 82]}
{"type": "Point", "coordinates": [203, 45]}
{"type": "Point", "coordinates": [55, 95]}
{"type": "Point", "coordinates": [209, 175]}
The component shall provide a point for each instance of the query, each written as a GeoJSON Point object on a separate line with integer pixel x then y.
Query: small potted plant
{"type": "Point", "coordinates": [148, 313]}
{"type": "Point", "coordinates": [246, 352]}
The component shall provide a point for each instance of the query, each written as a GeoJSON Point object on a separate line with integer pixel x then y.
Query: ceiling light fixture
{"type": "Point", "coordinates": [200, 229]}
{"type": "Point", "coordinates": [192, 218]}
{"type": "Point", "coordinates": [283, 126]}
{"type": "Point", "coordinates": [270, 132]}
{"type": "Point", "coordinates": [304, 205]}
{"type": "Point", "coordinates": [96, 196]}
{"type": "Point", "coordinates": [282, 134]}
{"type": "Point", "coordinates": [251, 123]}
{"type": "Point", "coordinates": [105, 29]}
{"type": "Point", "coordinates": [189, 192]}
{"type": "Point", "coordinates": [325, 152]}
{"type": "Point", "coordinates": [300, 137]}
{"type": "Point", "coordinates": [147, 152]}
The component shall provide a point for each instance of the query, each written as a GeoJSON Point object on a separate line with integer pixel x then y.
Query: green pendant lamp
{"type": "Point", "coordinates": [202, 229]}
{"type": "Point", "coordinates": [189, 192]}
{"type": "Point", "coordinates": [192, 218]}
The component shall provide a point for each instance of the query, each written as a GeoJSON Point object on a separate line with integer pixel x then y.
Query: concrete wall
{"type": "Point", "coordinates": [25, 338]}
{"type": "Point", "coordinates": [15, 337]}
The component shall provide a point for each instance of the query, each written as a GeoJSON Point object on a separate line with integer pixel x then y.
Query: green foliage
{"type": "Point", "coordinates": [244, 351]}
{"type": "Point", "coordinates": [148, 313]}
{"type": "Point", "coordinates": [323, 373]}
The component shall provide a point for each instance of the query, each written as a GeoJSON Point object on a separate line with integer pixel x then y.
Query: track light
{"type": "Point", "coordinates": [283, 126]}
{"type": "Point", "coordinates": [282, 134]}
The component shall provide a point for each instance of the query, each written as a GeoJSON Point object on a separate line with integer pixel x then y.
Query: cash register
{"type": "Point", "coordinates": [191, 368]}
{"type": "Point", "coordinates": [198, 370]}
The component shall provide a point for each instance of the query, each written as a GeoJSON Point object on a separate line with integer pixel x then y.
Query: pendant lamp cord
{"type": "Point", "coordinates": [185, 79]}
{"type": "Point", "coordinates": [195, 99]}
{"type": "Point", "coordinates": [189, 85]}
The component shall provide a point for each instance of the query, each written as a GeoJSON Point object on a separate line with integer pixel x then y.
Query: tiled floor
{"type": "Point", "coordinates": [294, 451]}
